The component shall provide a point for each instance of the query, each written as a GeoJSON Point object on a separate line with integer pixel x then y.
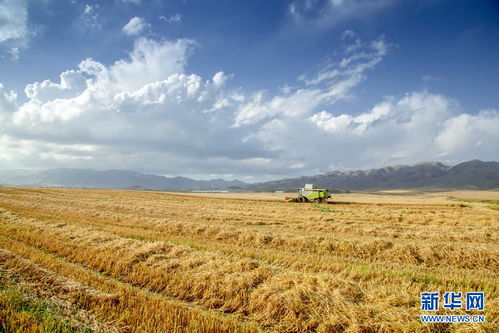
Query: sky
{"type": "Point", "coordinates": [254, 90]}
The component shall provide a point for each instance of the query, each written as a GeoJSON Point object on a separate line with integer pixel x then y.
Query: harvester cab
{"type": "Point", "coordinates": [310, 194]}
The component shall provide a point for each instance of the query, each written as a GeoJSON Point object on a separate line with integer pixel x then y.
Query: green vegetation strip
{"type": "Point", "coordinates": [20, 312]}
{"type": "Point", "coordinates": [489, 202]}
{"type": "Point", "coordinates": [324, 209]}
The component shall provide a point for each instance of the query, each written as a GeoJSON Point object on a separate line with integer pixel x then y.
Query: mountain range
{"type": "Point", "coordinates": [473, 174]}
{"type": "Point", "coordinates": [113, 179]}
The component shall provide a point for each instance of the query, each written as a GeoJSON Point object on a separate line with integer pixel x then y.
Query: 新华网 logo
{"type": "Point", "coordinates": [432, 301]}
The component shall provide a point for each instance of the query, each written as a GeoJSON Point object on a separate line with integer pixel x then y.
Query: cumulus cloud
{"type": "Point", "coordinates": [137, 109]}
{"type": "Point", "coordinates": [148, 62]}
{"type": "Point", "coordinates": [419, 126]}
{"type": "Point", "coordinates": [135, 26]}
{"type": "Point", "coordinates": [464, 133]}
{"type": "Point", "coordinates": [72, 83]}
{"type": "Point", "coordinates": [394, 130]}
{"type": "Point", "coordinates": [145, 112]}
{"type": "Point", "coordinates": [219, 79]}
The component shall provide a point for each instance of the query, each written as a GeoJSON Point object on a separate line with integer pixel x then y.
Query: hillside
{"type": "Point", "coordinates": [467, 175]}
{"type": "Point", "coordinates": [114, 179]}
{"type": "Point", "coordinates": [473, 174]}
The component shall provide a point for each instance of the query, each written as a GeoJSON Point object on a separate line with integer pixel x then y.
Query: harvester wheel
{"type": "Point", "coordinates": [301, 199]}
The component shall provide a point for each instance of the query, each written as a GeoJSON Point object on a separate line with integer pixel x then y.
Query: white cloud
{"type": "Point", "coordinates": [13, 20]}
{"type": "Point", "coordinates": [148, 62]}
{"type": "Point", "coordinates": [14, 53]}
{"type": "Point", "coordinates": [412, 109]}
{"type": "Point", "coordinates": [137, 110]}
{"type": "Point", "coordinates": [333, 83]}
{"type": "Point", "coordinates": [72, 83]}
{"type": "Point", "coordinates": [219, 79]}
{"type": "Point", "coordinates": [172, 19]}
{"type": "Point", "coordinates": [359, 57]}
{"type": "Point", "coordinates": [348, 34]}
{"type": "Point", "coordinates": [135, 26]}
{"type": "Point", "coordinates": [89, 19]}
{"type": "Point", "coordinates": [464, 133]}
{"type": "Point", "coordinates": [7, 101]}
{"type": "Point", "coordinates": [431, 78]}
{"type": "Point", "coordinates": [327, 13]}
{"type": "Point", "coordinates": [145, 112]}
{"type": "Point", "coordinates": [14, 31]}
{"type": "Point", "coordinates": [260, 108]}
{"type": "Point", "coordinates": [88, 9]}
{"type": "Point", "coordinates": [131, 1]}
{"type": "Point", "coordinates": [417, 127]}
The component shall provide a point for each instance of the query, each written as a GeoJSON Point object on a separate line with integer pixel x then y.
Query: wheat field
{"type": "Point", "coordinates": [129, 261]}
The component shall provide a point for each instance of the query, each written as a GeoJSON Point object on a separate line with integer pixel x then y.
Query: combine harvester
{"type": "Point", "coordinates": [310, 194]}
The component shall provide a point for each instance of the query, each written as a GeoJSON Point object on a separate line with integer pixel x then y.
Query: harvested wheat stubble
{"type": "Point", "coordinates": [186, 263]}
{"type": "Point", "coordinates": [52, 295]}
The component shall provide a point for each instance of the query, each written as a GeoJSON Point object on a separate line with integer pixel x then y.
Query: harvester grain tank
{"type": "Point", "coordinates": [310, 193]}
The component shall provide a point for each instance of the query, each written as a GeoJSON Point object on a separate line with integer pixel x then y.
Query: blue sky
{"type": "Point", "coordinates": [247, 89]}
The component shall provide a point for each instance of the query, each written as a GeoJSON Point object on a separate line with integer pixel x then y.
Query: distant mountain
{"type": "Point", "coordinates": [467, 175]}
{"type": "Point", "coordinates": [115, 179]}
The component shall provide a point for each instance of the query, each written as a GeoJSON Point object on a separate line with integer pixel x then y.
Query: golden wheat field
{"type": "Point", "coordinates": [128, 261]}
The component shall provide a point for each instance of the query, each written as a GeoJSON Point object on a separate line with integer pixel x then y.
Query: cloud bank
{"type": "Point", "coordinates": [146, 112]}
